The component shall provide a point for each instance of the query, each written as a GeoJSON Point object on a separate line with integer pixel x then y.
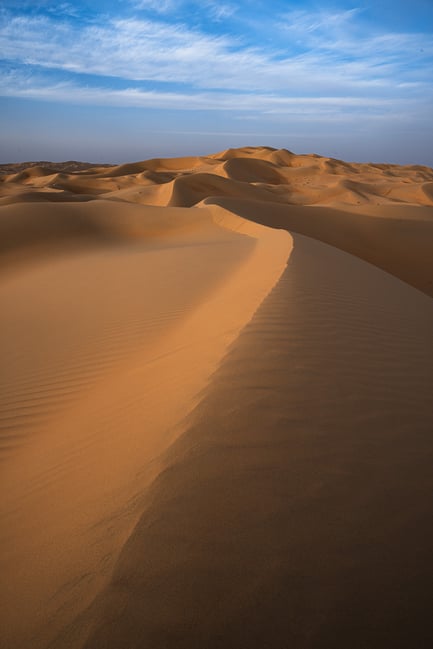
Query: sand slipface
{"type": "Point", "coordinates": [208, 438]}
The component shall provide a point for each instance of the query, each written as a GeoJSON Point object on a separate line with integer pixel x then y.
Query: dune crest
{"type": "Point", "coordinates": [215, 403]}
{"type": "Point", "coordinates": [322, 189]}
{"type": "Point", "coordinates": [112, 324]}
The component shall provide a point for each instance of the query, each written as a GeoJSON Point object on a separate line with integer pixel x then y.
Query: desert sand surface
{"type": "Point", "coordinates": [216, 420]}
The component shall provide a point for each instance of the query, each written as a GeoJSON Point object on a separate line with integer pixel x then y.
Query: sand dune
{"type": "Point", "coordinates": [297, 505]}
{"type": "Point", "coordinates": [396, 238]}
{"type": "Point", "coordinates": [200, 446]}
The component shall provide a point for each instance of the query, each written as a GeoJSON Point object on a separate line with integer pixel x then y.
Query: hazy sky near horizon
{"type": "Point", "coordinates": [108, 81]}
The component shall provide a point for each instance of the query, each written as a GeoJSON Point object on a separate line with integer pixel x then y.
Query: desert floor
{"type": "Point", "coordinates": [216, 404]}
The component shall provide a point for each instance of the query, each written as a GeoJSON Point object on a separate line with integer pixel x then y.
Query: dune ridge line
{"type": "Point", "coordinates": [83, 428]}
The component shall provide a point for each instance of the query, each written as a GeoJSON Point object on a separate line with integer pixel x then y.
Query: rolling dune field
{"type": "Point", "coordinates": [216, 411]}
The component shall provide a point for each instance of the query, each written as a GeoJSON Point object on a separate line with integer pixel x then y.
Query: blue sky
{"type": "Point", "coordinates": [117, 81]}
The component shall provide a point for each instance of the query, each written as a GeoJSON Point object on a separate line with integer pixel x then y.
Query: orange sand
{"type": "Point", "coordinates": [200, 446]}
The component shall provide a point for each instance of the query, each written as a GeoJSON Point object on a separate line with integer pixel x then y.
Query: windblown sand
{"type": "Point", "coordinates": [216, 410]}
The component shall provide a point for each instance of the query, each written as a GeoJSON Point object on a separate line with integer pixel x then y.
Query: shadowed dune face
{"type": "Point", "coordinates": [200, 447]}
{"type": "Point", "coordinates": [397, 238]}
{"type": "Point", "coordinates": [296, 509]}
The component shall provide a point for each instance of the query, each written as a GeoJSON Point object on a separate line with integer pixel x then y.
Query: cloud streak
{"type": "Point", "coordinates": [160, 6]}
{"type": "Point", "coordinates": [152, 50]}
{"type": "Point", "coordinates": [326, 108]}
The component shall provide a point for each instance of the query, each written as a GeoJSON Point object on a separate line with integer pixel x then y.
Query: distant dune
{"type": "Point", "coordinates": [216, 422]}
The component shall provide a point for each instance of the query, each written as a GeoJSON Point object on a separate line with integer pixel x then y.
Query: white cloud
{"type": "Point", "coordinates": [220, 11]}
{"type": "Point", "coordinates": [339, 32]}
{"type": "Point", "coordinates": [160, 6]}
{"type": "Point", "coordinates": [155, 51]}
{"type": "Point", "coordinates": [304, 22]}
{"type": "Point", "coordinates": [272, 107]}
{"type": "Point", "coordinates": [216, 10]}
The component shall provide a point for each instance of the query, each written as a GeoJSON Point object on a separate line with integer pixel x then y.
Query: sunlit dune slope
{"type": "Point", "coordinates": [113, 317]}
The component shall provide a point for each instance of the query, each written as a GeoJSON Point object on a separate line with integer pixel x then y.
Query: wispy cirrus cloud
{"type": "Point", "coordinates": [342, 33]}
{"type": "Point", "coordinates": [157, 51]}
{"type": "Point", "coordinates": [216, 10]}
{"type": "Point", "coordinates": [321, 21]}
{"type": "Point", "coordinates": [220, 10]}
{"type": "Point", "coordinates": [160, 6]}
{"type": "Point", "coordinates": [326, 108]}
